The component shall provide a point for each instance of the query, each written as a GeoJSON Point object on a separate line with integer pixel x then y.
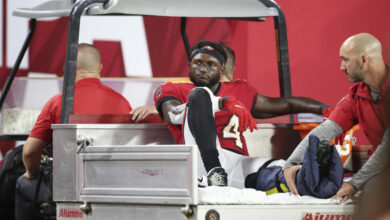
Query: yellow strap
{"type": "Point", "coordinates": [283, 187]}
{"type": "Point", "coordinates": [271, 191]}
{"type": "Point", "coordinates": [275, 190]}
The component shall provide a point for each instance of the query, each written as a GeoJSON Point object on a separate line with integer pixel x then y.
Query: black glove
{"type": "Point", "coordinates": [323, 155]}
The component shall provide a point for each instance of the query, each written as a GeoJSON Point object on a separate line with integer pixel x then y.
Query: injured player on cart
{"type": "Point", "coordinates": [213, 115]}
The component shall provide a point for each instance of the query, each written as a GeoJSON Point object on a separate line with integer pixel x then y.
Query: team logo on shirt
{"type": "Point", "coordinates": [208, 47]}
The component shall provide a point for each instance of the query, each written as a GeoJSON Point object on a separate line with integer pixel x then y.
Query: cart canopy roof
{"type": "Point", "coordinates": [242, 9]}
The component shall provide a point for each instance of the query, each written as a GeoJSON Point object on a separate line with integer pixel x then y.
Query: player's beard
{"type": "Point", "coordinates": [210, 84]}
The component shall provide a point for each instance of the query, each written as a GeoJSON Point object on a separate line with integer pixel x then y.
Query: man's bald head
{"type": "Point", "coordinates": [362, 61]}
{"type": "Point", "coordinates": [88, 60]}
{"type": "Point", "coordinates": [363, 43]}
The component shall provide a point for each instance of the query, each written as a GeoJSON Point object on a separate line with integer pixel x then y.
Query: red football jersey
{"type": "Point", "coordinates": [227, 124]}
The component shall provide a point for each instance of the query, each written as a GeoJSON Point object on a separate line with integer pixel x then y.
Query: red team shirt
{"type": "Point", "coordinates": [90, 97]}
{"type": "Point", "coordinates": [358, 107]}
{"type": "Point", "coordinates": [227, 124]}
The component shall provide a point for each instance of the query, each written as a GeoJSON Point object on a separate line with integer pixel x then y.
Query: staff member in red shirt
{"type": "Point", "coordinates": [90, 97]}
{"type": "Point", "coordinates": [361, 60]}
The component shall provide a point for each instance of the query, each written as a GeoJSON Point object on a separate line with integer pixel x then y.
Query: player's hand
{"type": "Point", "coordinates": [290, 175]}
{"type": "Point", "coordinates": [141, 112]}
{"type": "Point", "coordinates": [345, 192]}
{"type": "Point", "coordinates": [244, 116]}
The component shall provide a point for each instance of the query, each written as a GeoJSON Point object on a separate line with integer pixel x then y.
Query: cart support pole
{"type": "Point", "coordinates": [282, 51]}
{"type": "Point", "coordinates": [71, 57]}
{"type": "Point", "coordinates": [15, 68]}
{"type": "Point", "coordinates": [183, 24]}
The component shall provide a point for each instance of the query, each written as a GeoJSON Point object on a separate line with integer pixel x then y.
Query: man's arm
{"type": "Point", "coordinates": [374, 165]}
{"type": "Point", "coordinates": [267, 107]}
{"type": "Point", "coordinates": [32, 152]}
{"type": "Point", "coordinates": [328, 130]}
{"type": "Point", "coordinates": [172, 110]}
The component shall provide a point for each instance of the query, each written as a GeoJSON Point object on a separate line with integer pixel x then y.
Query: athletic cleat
{"type": "Point", "coordinates": [202, 181]}
{"type": "Point", "coordinates": [217, 177]}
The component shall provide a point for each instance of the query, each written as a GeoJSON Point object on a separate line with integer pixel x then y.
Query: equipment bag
{"type": "Point", "coordinates": [11, 169]}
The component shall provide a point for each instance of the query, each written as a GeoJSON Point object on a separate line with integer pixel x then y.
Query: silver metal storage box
{"type": "Point", "coordinates": [109, 166]}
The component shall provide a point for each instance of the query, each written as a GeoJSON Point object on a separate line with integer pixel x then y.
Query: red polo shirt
{"type": "Point", "coordinates": [358, 107]}
{"type": "Point", "coordinates": [90, 97]}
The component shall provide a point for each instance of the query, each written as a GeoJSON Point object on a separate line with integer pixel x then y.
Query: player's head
{"type": "Point", "coordinates": [207, 62]}
{"type": "Point", "coordinates": [88, 62]}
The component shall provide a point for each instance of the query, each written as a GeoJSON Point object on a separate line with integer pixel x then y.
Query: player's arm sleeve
{"type": "Point", "coordinates": [328, 130]}
{"type": "Point", "coordinates": [374, 165]}
{"type": "Point", "coordinates": [163, 93]}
